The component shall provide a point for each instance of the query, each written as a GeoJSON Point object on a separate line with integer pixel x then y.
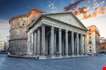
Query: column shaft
{"type": "Point", "coordinates": [55, 44]}
{"type": "Point", "coordinates": [34, 50]}
{"type": "Point", "coordinates": [82, 45]}
{"type": "Point", "coordinates": [60, 42]}
{"type": "Point", "coordinates": [32, 45]}
{"type": "Point", "coordinates": [43, 41]}
{"type": "Point", "coordinates": [77, 44]}
{"type": "Point", "coordinates": [52, 42]}
{"type": "Point", "coordinates": [72, 42]}
{"type": "Point", "coordinates": [38, 42]}
{"type": "Point", "coordinates": [66, 42]}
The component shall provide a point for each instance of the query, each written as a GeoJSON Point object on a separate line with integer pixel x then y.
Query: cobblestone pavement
{"type": "Point", "coordinates": [78, 63]}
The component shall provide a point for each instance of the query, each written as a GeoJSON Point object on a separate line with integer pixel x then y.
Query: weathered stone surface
{"type": "Point", "coordinates": [18, 35]}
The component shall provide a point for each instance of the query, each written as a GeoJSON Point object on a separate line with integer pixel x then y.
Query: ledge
{"type": "Point", "coordinates": [45, 57]}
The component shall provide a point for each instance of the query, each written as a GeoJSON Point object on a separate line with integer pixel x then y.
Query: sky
{"type": "Point", "coordinates": [10, 8]}
{"type": "Point", "coordinates": [100, 23]}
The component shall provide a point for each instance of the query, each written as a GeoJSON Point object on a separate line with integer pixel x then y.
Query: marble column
{"type": "Point", "coordinates": [43, 41]}
{"type": "Point", "coordinates": [38, 42]}
{"type": "Point", "coordinates": [34, 47]}
{"type": "Point", "coordinates": [52, 42]}
{"type": "Point", "coordinates": [55, 44]}
{"type": "Point", "coordinates": [72, 42]}
{"type": "Point", "coordinates": [31, 47]}
{"type": "Point", "coordinates": [66, 42]}
{"type": "Point", "coordinates": [60, 42]}
{"type": "Point", "coordinates": [82, 45]}
{"type": "Point", "coordinates": [77, 44]}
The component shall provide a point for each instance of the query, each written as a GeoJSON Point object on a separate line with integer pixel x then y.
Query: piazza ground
{"type": "Point", "coordinates": [79, 63]}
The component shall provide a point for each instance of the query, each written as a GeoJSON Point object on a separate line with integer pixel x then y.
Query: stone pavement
{"type": "Point", "coordinates": [78, 63]}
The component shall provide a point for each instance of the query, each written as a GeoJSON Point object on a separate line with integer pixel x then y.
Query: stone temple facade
{"type": "Point", "coordinates": [56, 35]}
{"type": "Point", "coordinates": [18, 35]}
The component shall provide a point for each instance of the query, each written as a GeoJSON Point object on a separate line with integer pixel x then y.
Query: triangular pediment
{"type": "Point", "coordinates": [67, 18]}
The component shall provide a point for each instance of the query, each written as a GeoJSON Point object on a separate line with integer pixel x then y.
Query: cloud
{"type": "Point", "coordinates": [85, 13]}
{"type": "Point", "coordinates": [99, 22]}
{"type": "Point", "coordinates": [4, 29]}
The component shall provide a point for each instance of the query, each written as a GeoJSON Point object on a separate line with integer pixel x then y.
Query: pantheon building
{"type": "Point", "coordinates": [56, 35]}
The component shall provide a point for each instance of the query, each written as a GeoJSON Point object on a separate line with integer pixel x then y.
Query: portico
{"type": "Point", "coordinates": [53, 38]}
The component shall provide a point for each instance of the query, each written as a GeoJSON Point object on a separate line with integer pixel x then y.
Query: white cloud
{"type": "Point", "coordinates": [4, 29]}
{"type": "Point", "coordinates": [99, 21]}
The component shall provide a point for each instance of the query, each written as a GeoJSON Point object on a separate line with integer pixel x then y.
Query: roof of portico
{"type": "Point", "coordinates": [47, 15]}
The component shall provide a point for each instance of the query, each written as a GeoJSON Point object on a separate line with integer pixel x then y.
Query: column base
{"type": "Point", "coordinates": [67, 56]}
{"type": "Point", "coordinates": [58, 57]}
{"type": "Point", "coordinates": [78, 55]}
{"type": "Point", "coordinates": [42, 57]}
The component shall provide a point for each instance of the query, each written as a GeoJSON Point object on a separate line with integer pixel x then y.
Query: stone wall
{"type": "Point", "coordinates": [18, 47]}
{"type": "Point", "coordinates": [18, 35]}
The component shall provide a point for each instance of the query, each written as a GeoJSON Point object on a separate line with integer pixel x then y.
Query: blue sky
{"type": "Point", "coordinates": [10, 8]}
